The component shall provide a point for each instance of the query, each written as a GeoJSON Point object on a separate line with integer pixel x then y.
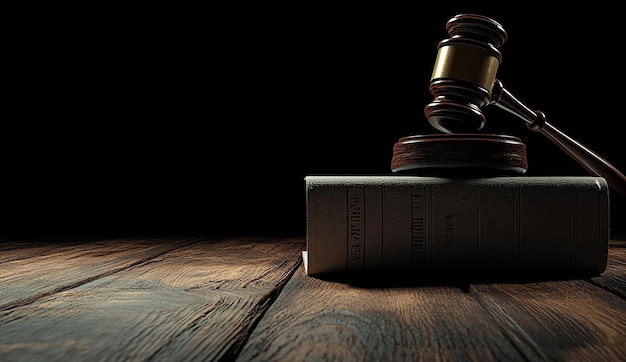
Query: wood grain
{"type": "Point", "coordinates": [36, 271]}
{"type": "Point", "coordinates": [249, 299]}
{"type": "Point", "coordinates": [197, 301]}
{"type": "Point", "coordinates": [316, 319]}
{"type": "Point", "coordinates": [559, 321]}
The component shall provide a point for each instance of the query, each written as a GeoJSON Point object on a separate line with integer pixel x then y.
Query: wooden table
{"type": "Point", "coordinates": [249, 299]}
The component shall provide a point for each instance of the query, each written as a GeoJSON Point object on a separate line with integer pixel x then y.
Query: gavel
{"type": "Point", "coordinates": [464, 81]}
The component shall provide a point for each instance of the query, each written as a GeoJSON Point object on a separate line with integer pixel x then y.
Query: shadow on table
{"type": "Point", "coordinates": [458, 278]}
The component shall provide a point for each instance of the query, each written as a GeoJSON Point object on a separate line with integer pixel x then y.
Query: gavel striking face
{"type": "Point", "coordinates": [464, 73]}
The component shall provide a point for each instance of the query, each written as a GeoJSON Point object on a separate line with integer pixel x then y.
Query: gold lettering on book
{"type": "Point", "coordinates": [355, 231]}
{"type": "Point", "coordinates": [418, 243]}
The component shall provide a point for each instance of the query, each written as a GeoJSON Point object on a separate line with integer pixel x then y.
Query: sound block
{"type": "Point", "coordinates": [463, 154]}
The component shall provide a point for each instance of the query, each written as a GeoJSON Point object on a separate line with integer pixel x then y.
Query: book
{"type": "Point", "coordinates": [505, 223]}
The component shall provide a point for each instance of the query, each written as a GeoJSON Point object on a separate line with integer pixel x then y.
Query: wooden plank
{"type": "Point", "coordinates": [197, 302]}
{"type": "Point", "coordinates": [565, 320]}
{"type": "Point", "coordinates": [315, 319]}
{"type": "Point", "coordinates": [24, 249]}
{"type": "Point", "coordinates": [40, 270]}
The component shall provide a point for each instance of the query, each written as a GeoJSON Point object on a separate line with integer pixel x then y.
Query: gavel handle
{"type": "Point", "coordinates": [536, 122]}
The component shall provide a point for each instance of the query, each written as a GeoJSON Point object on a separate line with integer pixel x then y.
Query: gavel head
{"type": "Point", "coordinates": [464, 73]}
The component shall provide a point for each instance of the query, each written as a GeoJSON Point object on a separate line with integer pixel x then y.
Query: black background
{"type": "Point", "coordinates": [205, 120]}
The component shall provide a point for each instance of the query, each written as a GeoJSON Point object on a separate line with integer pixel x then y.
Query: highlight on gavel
{"type": "Point", "coordinates": [463, 82]}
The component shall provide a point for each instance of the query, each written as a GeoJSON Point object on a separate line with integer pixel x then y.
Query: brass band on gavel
{"type": "Point", "coordinates": [465, 62]}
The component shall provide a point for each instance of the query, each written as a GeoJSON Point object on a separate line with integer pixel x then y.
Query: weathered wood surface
{"type": "Point", "coordinates": [330, 320]}
{"type": "Point", "coordinates": [37, 269]}
{"type": "Point", "coordinates": [179, 300]}
{"type": "Point", "coordinates": [192, 299]}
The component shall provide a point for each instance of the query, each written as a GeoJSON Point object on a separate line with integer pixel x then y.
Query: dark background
{"type": "Point", "coordinates": [205, 120]}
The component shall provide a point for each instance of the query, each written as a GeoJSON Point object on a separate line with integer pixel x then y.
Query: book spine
{"type": "Point", "coordinates": [400, 223]}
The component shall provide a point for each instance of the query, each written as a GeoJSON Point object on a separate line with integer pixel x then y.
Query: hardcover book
{"type": "Point", "coordinates": [405, 222]}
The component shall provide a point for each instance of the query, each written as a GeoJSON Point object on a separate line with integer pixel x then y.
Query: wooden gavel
{"type": "Point", "coordinates": [463, 82]}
